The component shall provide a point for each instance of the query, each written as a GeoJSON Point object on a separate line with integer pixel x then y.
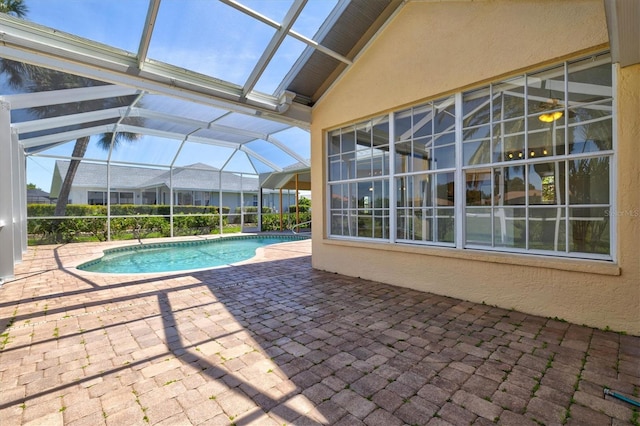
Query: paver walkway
{"type": "Point", "coordinates": [274, 342]}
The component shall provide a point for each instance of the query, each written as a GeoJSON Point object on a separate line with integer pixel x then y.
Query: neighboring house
{"type": "Point", "coordinates": [196, 184]}
{"type": "Point", "coordinates": [38, 196]}
{"type": "Point", "coordinates": [487, 151]}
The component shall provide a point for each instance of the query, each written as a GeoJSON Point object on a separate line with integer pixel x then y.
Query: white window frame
{"type": "Point", "coordinates": [460, 171]}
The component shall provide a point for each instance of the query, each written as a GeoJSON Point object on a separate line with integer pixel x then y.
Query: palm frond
{"type": "Point", "coordinates": [14, 7]}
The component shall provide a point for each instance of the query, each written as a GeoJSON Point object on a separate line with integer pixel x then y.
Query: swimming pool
{"type": "Point", "coordinates": [181, 256]}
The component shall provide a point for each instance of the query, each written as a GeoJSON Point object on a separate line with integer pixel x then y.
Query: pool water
{"type": "Point", "coordinates": [181, 256]}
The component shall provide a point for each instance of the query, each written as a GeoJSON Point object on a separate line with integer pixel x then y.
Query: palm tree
{"type": "Point", "coordinates": [36, 79]}
{"type": "Point", "coordinates": [14, 7]}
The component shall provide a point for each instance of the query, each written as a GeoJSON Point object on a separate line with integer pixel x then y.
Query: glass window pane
{"type": "Point", "coordinates": [445, 189]}
{"type": "Point", "coordinates": [423, 225]}
{"type": "Point", "coordinates": [545, 91]}
{"type": "Point", "coordinates": [509, 141]}
{"type": "Point", "coordinates": [547, 183]}
{"type": "Point", "coordinates": [547, 229]}
{"type": "Point", "coordinates": [422, 121]}
{"type": "Point", "coordinates": [508, 101]}
{"type": "Point", "coordinates": [445, 118]}
{"type": "Point", "coordinates": [592, 136]}
{"type": "Point", "coordinates": [476, 152]}
{"type": "Point", "coordinates": [126, 198]}
{"type": "Point", "coordinates": [589, 230]}
{"type": "Point", "coordinates": [334, 168]}
{"type": "Point", "coordinates": [476, 107]}
{"type": "Point", "coordinates": [509, 185]}
{"type": "Point", "coordinates": [380, 194]}
{"type": "Point", "coordinates": [404, 224]}
{"type": "Point", "coordinates": [478, 226]}
{"type": "Point", "coordinates": [445, 225]}
{"type": "Point", "coordinates": [363, 135]}
{"type": "Point", "coordinates": [96, 198]}
{"type": "Point", "coordinates": [348, 140]}
{"type": "Point", "coordinates": [380, 161]}
{"type": "Point", "coordinates": [479, 188]}
{"type": "Point", "coordinates": [338, 197]}
{"type": "Point", "coordinates": [444, 139]}
{"type": "Point", "coordinates": [337, 223]}
{"type": "Point", "coordinates": [445, 157]}
{"type": "Point", "coordinates": [348, 166]}
{"type": "Point", "coordinates": [510, 227]}
{"type": "Point", "coordinates": [334, 142]}
{"type": "Point", "coordinates": [402, 122]}
{"type": "Point", "coordinates": [477, 132]}
{"type": "Point", "coordinates": [422, 194]}
{"type": "Point", "coordinates": [381, 131]}
{"type": "Point", "coordinates": [588, 83]}
{"type": "Point", "coordinates": [422, 158]}
{"type": "Point", "coordinates": [403, 155]}
{"type": "Point", "coordinates": [402, 196]}
{"type": "Point", "coordinates": [365, 191]}
{"type": "Point", "coordinates": [381, 224]}
{"type": "Point", "coordinates": [414, 224]}
{"type": "Point", "coordinates": [589, 181]}
{"type": "Point", "coordinates": [365, 224]}
{"type": "Point", "coordinates": [363, 168]}
{"type": "Point", "coordinates": [545, 139]}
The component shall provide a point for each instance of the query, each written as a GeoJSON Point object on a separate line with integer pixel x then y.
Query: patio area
{"type": "Point", "coordinates": [272, 341]}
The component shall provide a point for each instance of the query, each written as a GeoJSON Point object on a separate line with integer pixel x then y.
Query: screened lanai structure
{"type": "Point", "coordinates": [483, 150]}
{"type": "Point", "coordinates": [154, 88]}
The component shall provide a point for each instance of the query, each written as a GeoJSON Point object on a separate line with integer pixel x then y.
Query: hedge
{"type": "Point", "coordinates": [140, 221]}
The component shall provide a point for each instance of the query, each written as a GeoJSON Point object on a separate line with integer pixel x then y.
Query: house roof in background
{"type": "Point", "coordinates": [197, 177]}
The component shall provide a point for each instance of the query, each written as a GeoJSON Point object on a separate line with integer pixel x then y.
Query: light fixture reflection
{"type": "Point", "coordinates": [550, 117]}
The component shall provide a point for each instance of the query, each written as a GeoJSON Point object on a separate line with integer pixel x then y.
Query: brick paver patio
{"type": "Point", "coordinates": [273, 342]}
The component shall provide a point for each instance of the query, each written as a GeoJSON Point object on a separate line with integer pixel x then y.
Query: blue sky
{"type": "Point", "coordinates": [205, 36]}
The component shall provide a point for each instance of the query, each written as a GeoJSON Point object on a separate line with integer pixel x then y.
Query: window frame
{"type": "Point", "coordinates": [532, 208]}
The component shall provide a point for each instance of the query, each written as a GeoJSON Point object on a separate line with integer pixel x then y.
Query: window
{"type": "Point", "coordinates": [359, 180]}
{"type": "Point", "coordinates": [520, 165]}
{"type": "Point", "coordinates": [99, 198]}
{"type": "Point", "coordinates": [424, 172]}
{"type": "Point", "coordinates": [149, 197]}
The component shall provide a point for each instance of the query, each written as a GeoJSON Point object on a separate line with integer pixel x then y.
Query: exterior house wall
{"type": "Point", "coordinates": [432, 49]}
{"type": "Point", "coordinates": [79, 195]}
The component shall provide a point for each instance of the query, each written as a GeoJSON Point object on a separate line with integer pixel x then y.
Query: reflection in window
{"type": "Point", "coordinates": [534, 167]}
{"type": "Point", "coordinates": [557, 155]}
{"type": "Point", "coordinates": [548, 189]}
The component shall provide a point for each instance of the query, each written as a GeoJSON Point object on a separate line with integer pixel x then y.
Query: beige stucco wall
{"type": "Point", "coordinates": [436, 47]}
